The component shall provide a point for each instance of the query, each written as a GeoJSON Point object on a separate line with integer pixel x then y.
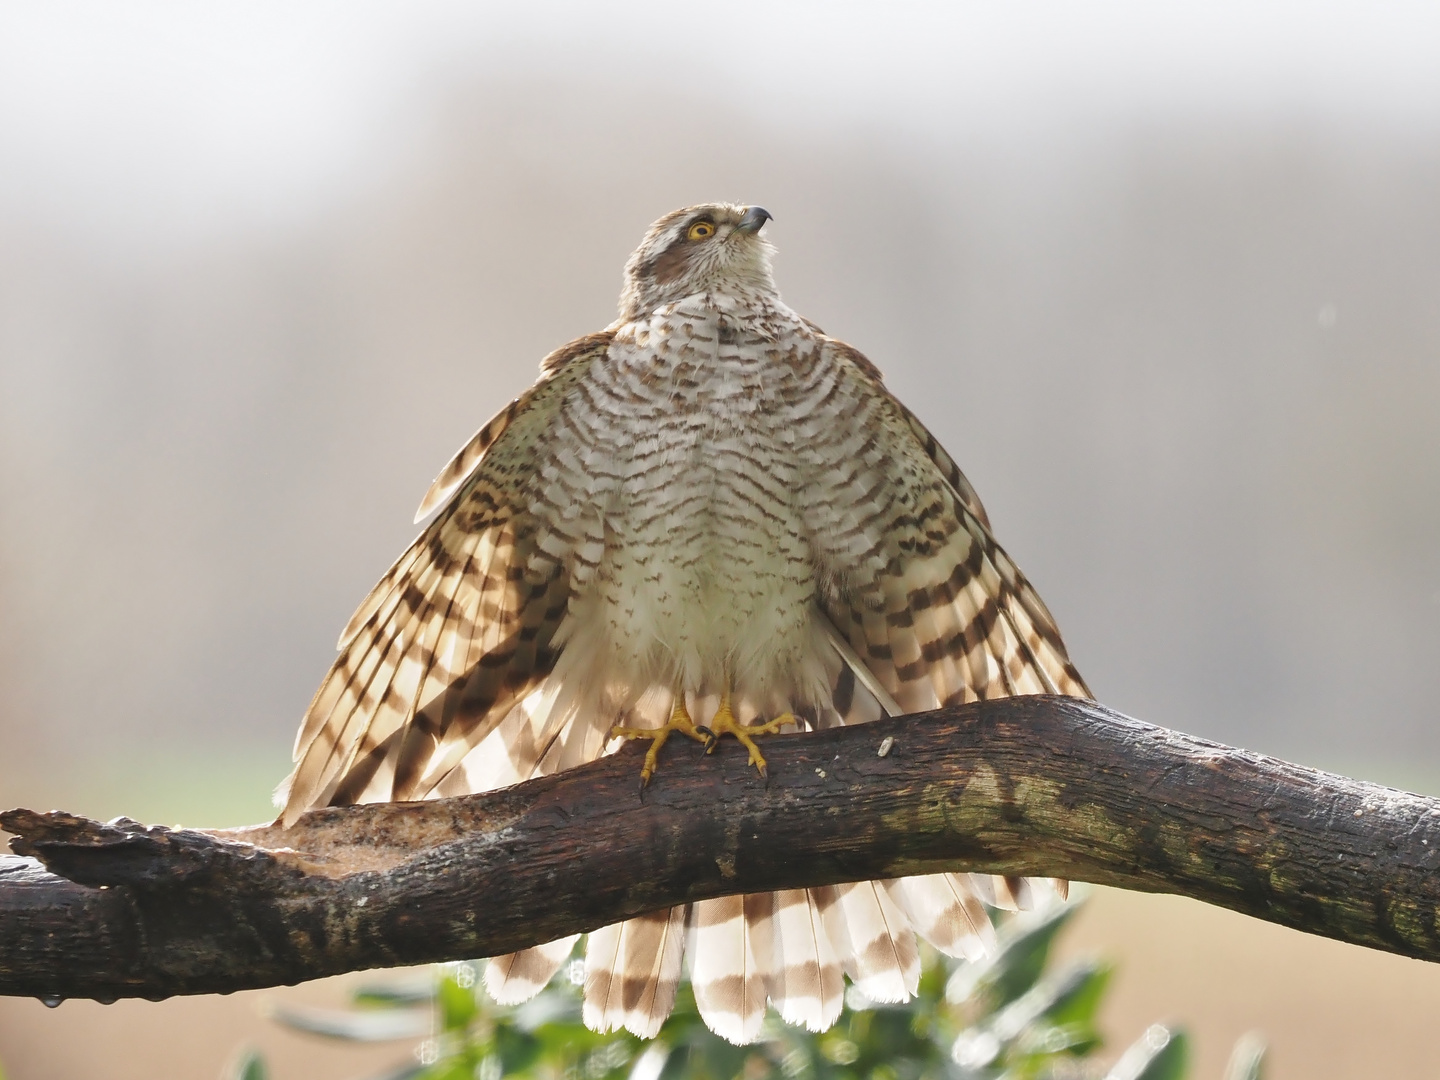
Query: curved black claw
{"type": "Point", "coordinates": [710, 737]}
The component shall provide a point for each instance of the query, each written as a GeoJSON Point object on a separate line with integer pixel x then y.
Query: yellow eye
{"type": "Point", "coordinates": [701, 230]}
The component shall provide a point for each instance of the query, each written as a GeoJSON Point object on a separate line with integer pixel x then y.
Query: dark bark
{"type": "Point", "coordinates": [1032, 785]}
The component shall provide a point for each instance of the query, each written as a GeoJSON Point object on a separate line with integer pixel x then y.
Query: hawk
{"type": "Point", "coordinates": [710, 517]}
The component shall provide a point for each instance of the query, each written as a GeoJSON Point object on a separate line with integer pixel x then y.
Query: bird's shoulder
{"type": "Point", "coordinates": [903, 420]}
{"type": "Point", "coordinates": [514, 428]}
{"type": "Point", "coordinates": [581, 349]}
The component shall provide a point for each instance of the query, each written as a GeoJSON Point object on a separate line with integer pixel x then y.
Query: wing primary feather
{"type": "Point", "coordinates": [382, 591]}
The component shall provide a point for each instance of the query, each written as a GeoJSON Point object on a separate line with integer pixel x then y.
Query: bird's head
{"type": "Point", "coordinates": [713, 246]}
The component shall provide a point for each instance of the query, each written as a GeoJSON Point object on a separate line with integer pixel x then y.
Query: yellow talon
{"type": "Point", "coordinates": [679, 721]}
{"type": "Point", "coordinates": [724, 722]}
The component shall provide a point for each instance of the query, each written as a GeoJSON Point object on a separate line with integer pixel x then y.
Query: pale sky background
{"type": "Point", "coordinates": [263, 265]}
{"type": "Point", "coordinates": [157, 123]}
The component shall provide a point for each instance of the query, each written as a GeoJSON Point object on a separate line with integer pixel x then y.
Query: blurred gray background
{"type": "Point", "coordinates": [1167, 284]}
{"type": "Point", "coordinates": [1164, 278]}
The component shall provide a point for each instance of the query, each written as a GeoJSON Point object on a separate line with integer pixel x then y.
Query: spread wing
{"type": "Point", "coordinates": [947, 617]}
{"type": "Point", "coordinates": [457, 632]}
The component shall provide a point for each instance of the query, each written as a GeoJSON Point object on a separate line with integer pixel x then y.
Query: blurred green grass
{"type": "Point", "coordinates": [201, 789]}
{"type": "Point", "coordinates": [230, 786]}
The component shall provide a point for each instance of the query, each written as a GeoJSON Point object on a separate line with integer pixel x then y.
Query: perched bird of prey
{"type": "Point", "coordinates": [709, 518]}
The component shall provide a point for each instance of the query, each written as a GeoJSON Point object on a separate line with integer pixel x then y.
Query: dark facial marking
{"type": "Point", "coordinates": [670, 264]}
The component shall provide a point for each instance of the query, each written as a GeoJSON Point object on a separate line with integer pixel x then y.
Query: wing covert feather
{"type": "Point", "coordinates": [460, 467]}
{"type": "Point", "coordinates": [458, 630]}
{"type": "Point", "coordinates": [950, 618]}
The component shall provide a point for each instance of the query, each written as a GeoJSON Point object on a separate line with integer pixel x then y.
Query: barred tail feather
{"type": "Point", "coordinates": [632, 970]}
{"type": "Point", "coordinates": [1017, 893]}
{"type": "Point", "coordinates": [881, 959]}
{"type": "Point", "coordinates": [946, 911]}
{"type": "Point", "coordinates": [521, 975]}
{"type": "Point", "coordinates": [732, 952]}
{"type": "Point", "coordinates": [809, 985]}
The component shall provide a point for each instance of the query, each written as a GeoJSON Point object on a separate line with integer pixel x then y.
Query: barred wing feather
{"type": "Point", "coordinates": [455, 634]}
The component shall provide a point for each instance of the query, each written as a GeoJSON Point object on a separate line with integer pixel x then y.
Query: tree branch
{"type": "Point", "coordinates": [1032, 785]}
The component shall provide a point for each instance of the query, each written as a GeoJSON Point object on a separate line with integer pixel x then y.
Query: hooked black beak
{"type": "Point", "coordinates": [754, 217]}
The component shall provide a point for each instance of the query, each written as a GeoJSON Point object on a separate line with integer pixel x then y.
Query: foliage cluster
{"type": "Point", "coordinates": [1013, 1016]}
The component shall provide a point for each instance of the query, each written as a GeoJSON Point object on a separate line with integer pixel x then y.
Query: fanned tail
{"type": "Point", "coordinates": [795, 947]}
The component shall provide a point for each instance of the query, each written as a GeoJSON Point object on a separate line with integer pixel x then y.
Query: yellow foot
{"type": "Point", "coordinates": [679, 721]}
{"type": "Point", "coordinates": [724, 723]}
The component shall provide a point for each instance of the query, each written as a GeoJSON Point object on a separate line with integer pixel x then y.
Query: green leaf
{"type": "Point", "coordinates": [1159, 1054]}
{"type": "Point", "coordinates": [1247, 1060]}
{"type": "Point", "coordinates": [1057, 1005]}
{"type": "Point", "coordinates": [247, 1065]}
{"type": "Point", "coordinates": [1080, 1000]}
{"type": "Point", "coordinates": [446, 1069]}
{"type": "Point", "coordinates": [457, 1004]}
{"type": "Point", "coordinates": [367, 1025]}
{"type": "Point", "coordinates": [395, 995]}
{"type": "Point", "coordinates": [552, 1006]}
{"type": "Point", "coordinates": [517, 1050]}
{"type": "Point", "coordinates": [1041, 1040]}
{"type": "Point", "coordinates": [1024, 948]}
